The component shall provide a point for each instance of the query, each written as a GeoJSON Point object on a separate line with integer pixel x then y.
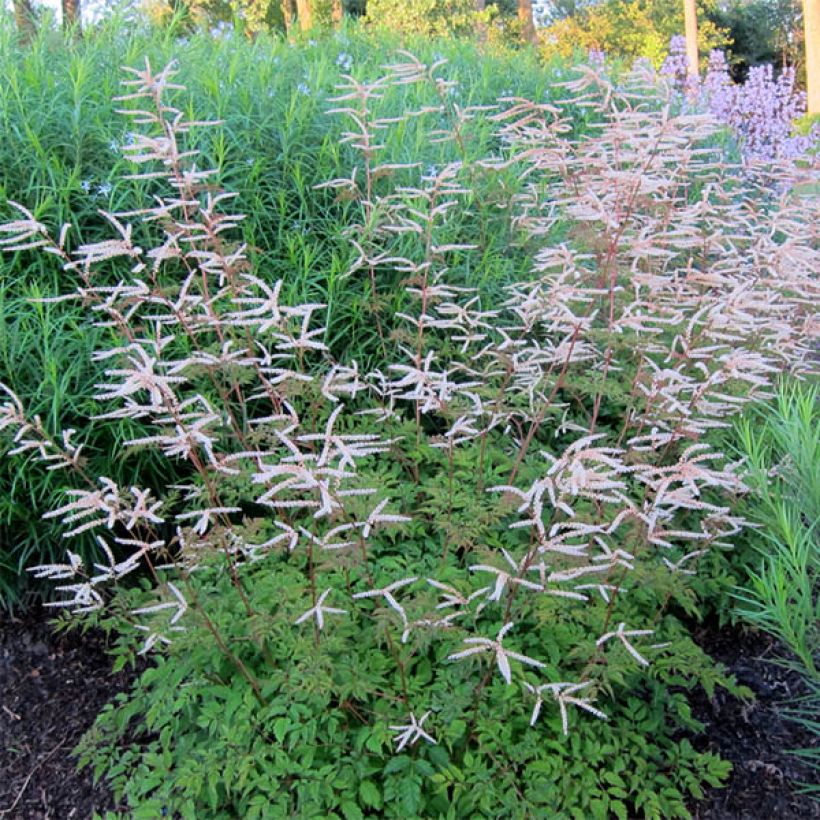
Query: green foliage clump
{"type": "Point", "coordinates": [193, 738]}
{"type": "Point", "coordinates": [629, 29]}
{"type": "Point", "coordinates": [426, 18]}
{"type": "Point", "coordinates": [763, 32]}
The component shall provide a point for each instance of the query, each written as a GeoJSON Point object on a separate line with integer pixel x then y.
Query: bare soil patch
{"type": "Point", "coordinates": [51, 688]}
{"type": "Point", "coordinates": [756, 737]}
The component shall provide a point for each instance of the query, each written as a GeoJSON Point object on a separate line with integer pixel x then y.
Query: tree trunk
{"type": "Point", "coordinates": [287, 15]}
{"type": "Point", "coordinates": [71, 16]}
{"type": "Point", "coordinates": [336, 12]}
{"type": "Point", "coordinates": [690, 19]}
{"type": "Point", "coordinates": [304, 14]}
{"type": "Point", "coordinates": [480, 7]}
{"type": "Point", "coordinates": [24, 20]}
{"type": "Point", "coordinates": [525, 21]}
{"type": "Point", "coordinates": [811, 24]}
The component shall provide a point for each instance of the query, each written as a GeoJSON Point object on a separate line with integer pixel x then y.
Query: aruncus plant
{"type": "Point", "coordinates": [539, 467]}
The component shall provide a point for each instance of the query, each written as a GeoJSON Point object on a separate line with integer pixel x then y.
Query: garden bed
{"type": "Point", "coordinates": [753, 736]}
{"type": "Point", "coordinates": [54, 684]}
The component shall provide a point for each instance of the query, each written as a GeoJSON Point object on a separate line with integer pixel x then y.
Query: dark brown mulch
{"type": "Point", "coordinates": [755, 737]}
{"type": "Point", "coordinates": [52, 686]}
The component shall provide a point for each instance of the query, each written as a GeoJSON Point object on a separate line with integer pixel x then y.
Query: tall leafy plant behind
{"type": "Point", "coordinates": [516, 500]}
{"type": "Point", "coordinates": [780, 444]}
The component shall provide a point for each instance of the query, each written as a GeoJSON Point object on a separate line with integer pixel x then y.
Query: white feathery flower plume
{"type": "Point", "coordinates": [387, 594]}
{"type": "Point", "coordinates": [677, 566]}
{"type": "Point", "coordinates": [452, 597]}
{"type": "Point", "coordinates": [602, 589]}
{"type": "Point", "coordinates": [102, 507]}
{"type": "Point", "coordinates": [564, 694]}
{"type": "Point", "coordinates": [288, 535]}
{"type": "Point", "coordinates": [503, 578]}
{"type": "Point", "coordinates": [622, 634]}
{"type": "Point", "coordinates": [328, 540]}
{"type": "Point", "coordinates": [59, 571]}
{"type": "Point", "coordinates": [179, 603]}
{"type": "Point", "coordinates": [204, 518]}
{"type": "Point", "coordinates": [85, 598]}
{"type": "Point", "coordinates": [318, 611]}
{"type": "Point", "coordinates": [411, 733]}
{"type": "Point", "coordinates": [502, 655]}
{"type": "Point", "coordinates": [431, 623]}
{"type": "Point", "coordinates": [378, 517]}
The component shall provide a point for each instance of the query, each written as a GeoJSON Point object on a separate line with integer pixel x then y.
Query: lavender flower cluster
{"type": "Point", "coordinates": [761, 111]}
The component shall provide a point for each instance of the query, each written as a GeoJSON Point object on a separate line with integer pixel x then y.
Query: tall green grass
{"type": "Point", "coordinates": [780, 443]}
{"type": "Point", "coordinates": [781, 446]}
{"type": "Point", "coordinates": [61, 138]}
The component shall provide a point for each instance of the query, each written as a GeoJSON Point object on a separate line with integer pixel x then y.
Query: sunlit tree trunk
{"type": "Point", "coordinates": [811, 24]}
{"type": "Point", "coordinates": [71, 15]}
{"type": "Point", "coordinates": [525, 21]}
{"type": "Point", "coordinates": [304, 14]}
{"type": "Point", "coordinates": [24, 20]}
{"type": "Point", "coordinates": [336, 12]}
{"type": "Point", "coordinates": [287, 15]}
{"type": "Point", "coordinates": [690, 20]}
{"type": "Point", "coordinates": [481, 28]}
